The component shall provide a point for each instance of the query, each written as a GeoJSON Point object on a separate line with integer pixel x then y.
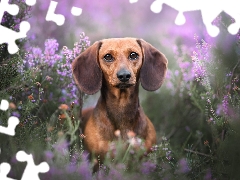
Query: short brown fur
{"type": "Point", "coordinates": [118, 107]}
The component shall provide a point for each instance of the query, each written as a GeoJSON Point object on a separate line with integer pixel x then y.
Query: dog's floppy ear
{"type": "Point", "coordinates": [86, 71]}
{"type": "Point", "coordinates": [154, 67]}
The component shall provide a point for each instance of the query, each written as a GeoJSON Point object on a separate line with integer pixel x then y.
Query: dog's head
{"type": "Point", "coordinates": [122, 62]}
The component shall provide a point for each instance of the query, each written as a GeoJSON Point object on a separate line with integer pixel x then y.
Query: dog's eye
{"type": "Point", "coordinates": [133, 56]}
{"type": "Point", "coordinates": [108, 58]}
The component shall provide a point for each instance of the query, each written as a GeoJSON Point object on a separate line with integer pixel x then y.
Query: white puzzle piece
{"type": "Point", "coordinates": [59, 19]}
{"type": "Point", "coordinates": [7, 35]}
{"type": "Point", "coordinates": [31, 171]}
{"type": "Point", "coordinates": [12, 121]}
{"type": "Point", "coordinates": [4, 170]}
{"type": "Point", "coordinates": [210, 9]}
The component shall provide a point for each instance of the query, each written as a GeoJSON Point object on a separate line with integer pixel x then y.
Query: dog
{"type": "Point", "coordinates": [117, 66]}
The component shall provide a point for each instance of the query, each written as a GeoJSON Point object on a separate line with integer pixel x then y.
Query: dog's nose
{"type": "Point", "coordinates": [123, 75]}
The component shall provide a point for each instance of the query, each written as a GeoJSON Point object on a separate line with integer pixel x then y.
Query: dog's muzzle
{"type": "Point", "coordinates": [123, 75]}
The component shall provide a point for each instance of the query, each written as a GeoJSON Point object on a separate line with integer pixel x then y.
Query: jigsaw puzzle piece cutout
{"type": "Point", "coordinates": [234, 28]}
{"type": "Point", "coordinates": [12, 9]}
{"type": "Point", "coordinates": [208, 16]}
{"type": "Point", "coordinates": [133, 1]}
{"type": "Point", "coordinates": [231, 7]}
{"type": "Point", "coordinates": [4, 170]}
{"type": "Point", "coordinates": [180, 6]}
{"type": "Point", "coordinates": [156, 6]}
{"type": "Point", "coordinates": [209, 9]}
{"type": "Point", "coordinates": [76, 11]}
{"type": "Point", "coordinates": [30, 2]}
{"type": "Point", "coordinates": [9, 36]}
{"type": "Point", "coordinates": [4, 105]}
{"type": "Point", "coordinates": [180, 19]}
{"type": "Point", "coordinates": [59, 19]}
{"type": "Point", "coordinates": [213, 8]}
{"type": "Point", "coordinates": [12, 123]}
{"type": "Point", "coordinates": [31, 171]}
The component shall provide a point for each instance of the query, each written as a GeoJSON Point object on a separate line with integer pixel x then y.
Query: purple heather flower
{"type": "Point", "coordinates": [62, 73]}
{"type": "Point", "coordinates": [168, 155]}
{"type": "Point", "coordinates": [62, 99]}
{"type": "Point", "coordinates": [120, 166]}
{"type": "Point", "coordinates": [48, 154]}
{"type": "Point", "coordinates": [50, 56]}
{"type": "Point", "coordinates": [51, 46]}
{"type": "Point", "coordinates": [183, 166]}
{"type": "Point", "coordinates": [148, 167]}
{"type": "Point", "coordinates": [56, 57]}
{"type": "Point", "coordinates": [36, 52]}
{"type": "Point", "coordinates": [55, 171]}
{"type": "Point", "coordinates": [229, 74]}
{"type": "Point", "coordinates": [33, 56]}
{"type": "Point", "coordinates": [115, 174]}
{"type": "Point", "coordinates": [199, 70]}
{"type": "Point", "coordinates": [169, 74]}
{"type": "Point", "coordinates": [228, 86]}
{"type": "Point", "coordinates": [77, 49]}
{"type": "Point", "coordinates": [48, 78]}
{"type": "Point", "coordinates": [14, 160]}
{"type": "Point", "coordinates": [75, 157]}
{"type": "Point", "coordinates": [85, 171]}
{"type": "Point", "coordinates": [225, 104]}
{"type": "Point", "coordinates": [50, 96]}
{"type": "Point", "coordinates": [61, 146]}
{"type": "Point", "coordinates": [176, 73]}
{"type": "Point", "coordinates": [185, 65]}
{"type": "Point", "coordinates": [68, 53]}
{"type": "Point", "coordinates": [71, 168]}
{"type": "Point", "coordinates": [187, 128]}
{"type": "Point", "coordinates": [208, 175]}
{"type": "Point", "coordinates": [170, 86]}
{"type": "Point", "coordinates": [16, 114]}
{"type": "Point", "coordinates": [64, 92]}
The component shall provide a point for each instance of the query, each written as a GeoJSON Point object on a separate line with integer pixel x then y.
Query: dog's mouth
{"type": "Point", "coordinates": [124, 85]}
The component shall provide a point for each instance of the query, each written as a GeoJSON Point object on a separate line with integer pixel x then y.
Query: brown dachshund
{"type": "Point", "coordinates": [117, 66]}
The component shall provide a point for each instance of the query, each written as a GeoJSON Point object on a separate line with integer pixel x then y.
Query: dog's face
{"type": "Point", "coordinates": [120, 61]}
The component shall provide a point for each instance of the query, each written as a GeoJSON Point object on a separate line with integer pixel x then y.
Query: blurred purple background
{"type": "Point", "coordinates": [105, 19]}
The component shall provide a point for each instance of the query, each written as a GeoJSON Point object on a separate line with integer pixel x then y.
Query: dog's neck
{"type": "Point", "coordinates": [121, 105]}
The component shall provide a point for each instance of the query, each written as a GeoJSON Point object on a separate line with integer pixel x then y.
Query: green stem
{"type": "Point", "coordinates": [127, 151]}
